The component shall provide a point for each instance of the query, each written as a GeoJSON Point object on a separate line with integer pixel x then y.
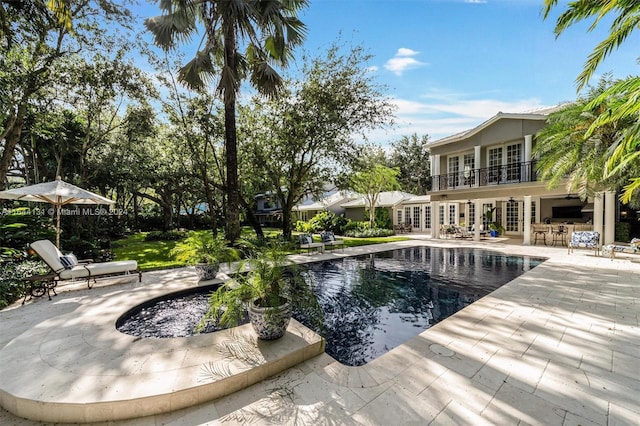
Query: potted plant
{"type": "Point", "coordinates": [268, 291]}
{"type": "Point", "coordinates": [495, 228]}
{"type": "Point", "coordinates": [205, 253]}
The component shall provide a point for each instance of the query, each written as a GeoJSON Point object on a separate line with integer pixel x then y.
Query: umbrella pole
{"type": "Point", "coordinates": [58, 228]}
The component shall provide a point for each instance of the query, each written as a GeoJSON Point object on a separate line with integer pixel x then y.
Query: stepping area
{"type": "Point", "coordinates": [559, 345]}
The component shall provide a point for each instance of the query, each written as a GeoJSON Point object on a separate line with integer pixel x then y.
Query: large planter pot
{"type": "Point", "coordinates": [269, 323]}
{"type": "Point", "coordinates": [493, 233]}
{"type": "Point", "coordinates": [207, 271]}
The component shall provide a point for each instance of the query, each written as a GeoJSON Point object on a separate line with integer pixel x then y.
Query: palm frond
{"type": "Point", "coordinates": [197, 72]}
{"type": "Point", "coordinates": [617, 36]}
{"type": "Point", "coordinates": [265, 78]}
{"type": "Point", "coordinates": [171, 29]}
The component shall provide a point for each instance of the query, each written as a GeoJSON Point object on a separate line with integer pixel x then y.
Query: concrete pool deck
{"type": "Point", "coordinates": [558, 345]}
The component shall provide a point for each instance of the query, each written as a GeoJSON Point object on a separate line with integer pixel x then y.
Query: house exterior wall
{"type": "Point", "coordinates": [355, 213]}
{"type": "Point", "coordinates": [508, 182]}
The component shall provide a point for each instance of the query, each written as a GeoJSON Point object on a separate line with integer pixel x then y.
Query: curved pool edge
{"type": "Point", "coordinates": [74, 366]}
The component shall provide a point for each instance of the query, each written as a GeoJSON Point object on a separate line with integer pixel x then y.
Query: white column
{"type": "Point", "coordinates": [435, 220]}
{"type": "Point", "coordinates": [609, 217]}
{"type": "Point", "coordinates": [528, 143]}
{"type": "Point", "coordinates": [477, 164]}
{"type": "Point", "coordinates": [478, 221]}
{"type": "Point", "coordinates": [598, 204]}
{"type": "Point", "coordinates": [432, 159]}
{"type": "Point", "coordinates": [526, 238]}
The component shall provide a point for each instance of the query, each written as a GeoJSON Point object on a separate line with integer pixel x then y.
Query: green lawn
{"type": "Point", "coordinates": [152, 255]}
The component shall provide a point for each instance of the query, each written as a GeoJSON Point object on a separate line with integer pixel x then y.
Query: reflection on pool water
{"type": "Point", "coordinates": [370, 303]}
{"type": "Point", "coordinates": [376, 302]}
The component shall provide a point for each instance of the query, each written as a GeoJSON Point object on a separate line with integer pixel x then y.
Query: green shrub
{"type": "Point", "coordinates": [327, 221]}
{"type": "Point", "coordinates": [173, 235]}
{"type": "Point", "coordinates": [623, 231]}
{"type": "Point", "coordinates": [12, 275]}
{"type": "Point", "coordinates": [353, 225]}
{"type": "Point", "coordinates": [302, 226]}
{"type": "Point", "coordinates": [368, 233]}
{"type": "Point", "coordinates": [22, 226]}
{"type": "Point", "coordinates": [383, 219]}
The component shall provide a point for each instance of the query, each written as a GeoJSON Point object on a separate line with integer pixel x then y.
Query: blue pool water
{"type": "Point", "coordinates": [376, 302]}
{"type": "Point", "coordinates": [370, 304]}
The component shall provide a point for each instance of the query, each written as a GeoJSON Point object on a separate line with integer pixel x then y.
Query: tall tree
{"type": "Point", "coordinates": [264, 29]}
{"type": "Point", "coordinates": [299, 143]}
{"type": "Point", "coordinates": [372, 180]}
{"type": "Point", "coordinates": [34, 37]}
{"type": "Point", "coordinates": [411, 156]}
{"type": "Point", "coordinates": [624, 160]}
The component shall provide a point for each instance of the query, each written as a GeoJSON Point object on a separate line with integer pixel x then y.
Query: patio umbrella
{"type": "Point", "coordinates": [57, 193]}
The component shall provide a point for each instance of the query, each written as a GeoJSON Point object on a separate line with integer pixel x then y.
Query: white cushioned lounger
{"type": "Point", "coordinates": [50, 254]}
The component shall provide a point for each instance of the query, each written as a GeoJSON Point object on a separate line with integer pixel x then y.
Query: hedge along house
{"type": "Point", "coordinates": [357, 209]}
{"type": "Point", "coordinates": [492, 166]}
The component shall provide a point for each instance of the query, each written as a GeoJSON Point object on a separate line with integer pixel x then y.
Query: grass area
{"type": "Point", "coordinates": [152, 255]}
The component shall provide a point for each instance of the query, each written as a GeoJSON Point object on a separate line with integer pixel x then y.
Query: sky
{"type": "Point", "coordinates": [449, 65]}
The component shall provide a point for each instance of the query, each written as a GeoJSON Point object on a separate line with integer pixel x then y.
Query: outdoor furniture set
{"type": "Point", "coordinates": [401, 228]}
{"type": "Point", "coordinates": [557, 233]}
{"type": "Point", "coordinates": [328, 240]}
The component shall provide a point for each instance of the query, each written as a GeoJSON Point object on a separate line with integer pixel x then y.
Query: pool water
{"type": "Point", "coordinates": [376, 302]}
{"type": "Point", "coordinates": [370, 303]}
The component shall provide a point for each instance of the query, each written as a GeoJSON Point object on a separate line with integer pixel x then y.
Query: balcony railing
{"type": "Point", "coordinates": [497, 175]}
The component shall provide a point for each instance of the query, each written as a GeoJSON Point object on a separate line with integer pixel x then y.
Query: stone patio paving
{"type": "Point", "coordinates": [559, 345]}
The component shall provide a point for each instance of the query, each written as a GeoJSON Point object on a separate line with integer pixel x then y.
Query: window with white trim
{"type": "Point", "coordinates": [427, 217]}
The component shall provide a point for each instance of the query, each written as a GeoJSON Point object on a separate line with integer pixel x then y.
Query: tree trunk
{"type": "Point", "coordinates": [286, 224]}
{"type": "Point", "coordinates": [232, 227]}
{"type": "Point", "coordinates": [11, 141]}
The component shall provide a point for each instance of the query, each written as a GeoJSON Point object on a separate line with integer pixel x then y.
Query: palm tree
{"type": "Point", "coordinates": [265, 30]}
{"type": "Point", "coordinates": [626, 20]}
{"type": "Point", "coordinates": [623, 161]}
{"type": "Point", "coordinates": [567, 148]}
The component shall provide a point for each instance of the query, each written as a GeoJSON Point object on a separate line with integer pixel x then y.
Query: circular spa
{"type": "Point", "coordinates": [369, 304]}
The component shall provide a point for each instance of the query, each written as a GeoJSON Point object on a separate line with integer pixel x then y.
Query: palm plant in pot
{"type": "Point", "coordinates": [205, 252]}
{"type": "Point", "coordinates": [495, 228]}
{"type": "Point", "coordinates": [268, 291]}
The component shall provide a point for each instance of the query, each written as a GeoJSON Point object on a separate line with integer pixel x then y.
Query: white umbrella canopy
{"type": "Point", "coordinates": [57, 193]}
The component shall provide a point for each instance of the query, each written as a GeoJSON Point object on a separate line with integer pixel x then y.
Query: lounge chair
{"type": "Point", "coordinates": [632, 248]}
{"type": "Point", "coordinates": [461, 232]}
{"type": "Point", "coordinates": [67, 267]}
{"type": "Point", "coordinates": [306, 242]}
{"type": "Point", "coordinates": [328, 239]}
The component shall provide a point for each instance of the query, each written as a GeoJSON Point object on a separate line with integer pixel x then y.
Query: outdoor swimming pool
{"type": "Point", "coordinates": [370, 303]}
{"type": "Point", "coordinates": [376, 302]}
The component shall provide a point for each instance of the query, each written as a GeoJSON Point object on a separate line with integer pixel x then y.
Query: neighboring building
{"type": "Point", "coordinates": [268, 209]}
{"type": "Point", "coordinates": [355, 209]}
{"type": "Point", "coordinates": [491, 166]}
{"type": "Point", "coordinates": [331, 201]}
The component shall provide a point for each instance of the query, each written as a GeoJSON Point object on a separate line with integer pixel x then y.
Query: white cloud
{"type": "Point", "coordinates": [440, 114]}
{"type": "Point", "coordinates": [402, 61]}
{"type": "Point", "coordinates": [403, 51]}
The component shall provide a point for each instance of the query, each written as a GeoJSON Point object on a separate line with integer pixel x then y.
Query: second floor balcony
{"type": "Point", "coordinates": [496, 175]}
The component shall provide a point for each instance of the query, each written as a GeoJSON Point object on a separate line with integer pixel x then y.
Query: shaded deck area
{"type": "Point", "coordinates": [559, 345]}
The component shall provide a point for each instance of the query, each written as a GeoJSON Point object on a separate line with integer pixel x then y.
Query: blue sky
{"type": "Point", "coordinates": [451, 64]}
